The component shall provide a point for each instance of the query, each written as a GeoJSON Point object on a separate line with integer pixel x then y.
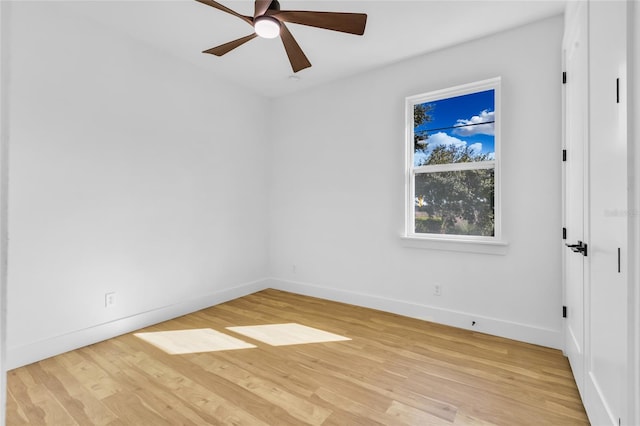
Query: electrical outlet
{"type": "Point", "coordinates": [109, 299]}
{"type": "Point", "coordinates": [437, 290]}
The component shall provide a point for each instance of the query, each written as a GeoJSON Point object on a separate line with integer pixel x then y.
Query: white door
{"type": "Point", "coordinates": [576, 134]}
{"type": "Point", "coordinates": [596, 211]}
{"type": "Point", "coordinates": [606, 339]}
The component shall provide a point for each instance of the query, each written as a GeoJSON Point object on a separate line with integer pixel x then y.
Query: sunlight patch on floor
{"type": "Point", "coordinates": [193, 341]}
{"type": "Point", "coordinates": [287, 334]}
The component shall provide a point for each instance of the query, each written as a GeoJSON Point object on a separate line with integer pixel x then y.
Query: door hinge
{"type": "Point", "coordinates": [564, 155]}
{"type": "Point", "coordinates": [619, 270]}
{"type": "Point", "coordinates": [564, 77]}
{"type": "Point", "coordinates": [564, 312]}
{"type": "Point", "coordinates": [564, 233]}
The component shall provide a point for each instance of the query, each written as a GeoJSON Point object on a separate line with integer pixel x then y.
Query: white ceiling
{"type": "Point", "coordinates": [395, 30]}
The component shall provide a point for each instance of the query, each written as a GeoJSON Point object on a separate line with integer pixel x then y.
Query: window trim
{"type": "Point", "coordinates": [484, 244]}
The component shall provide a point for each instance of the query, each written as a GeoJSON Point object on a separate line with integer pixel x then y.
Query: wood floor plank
{"type": "Point", "coordinates": [265, 389]}
{"type": "Point", "coordinates": [394, 371]}
{"type": "Point", "coordinates": [463, 419]}
{"type": "Point", "coordinates": [189, 391]}
{"type": "Point", "coordinates": [97, 381]}
{"type": "Point", "coordinates": [405, 414]}
{"type": "Point", "coordinates": [81, 406]}
{"type": "Point", "coordinates": [14, 410]}
{"type": "Point", "coordinates": [37, 404]}
{"type": "Point", "coordinates": [195, 385]}
{"type": "Point", "coordinates": [178, 407]}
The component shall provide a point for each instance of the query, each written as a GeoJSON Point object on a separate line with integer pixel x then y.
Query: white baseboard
{"type": "Point", "coordinates": [497, 327]}
{"type": "Point", "coordinates": [595, 403]}
{"type": "Point", "coordinates": [37, 351]}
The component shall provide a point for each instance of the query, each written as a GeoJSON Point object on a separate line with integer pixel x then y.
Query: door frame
{"type": "Point", "coordinates": [4, 181]}
{"type": "Point", "coordinates": [633, 150]}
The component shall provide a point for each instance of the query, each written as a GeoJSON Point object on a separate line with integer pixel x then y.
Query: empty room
{"type": "Point", "coordinates": [360, 212]}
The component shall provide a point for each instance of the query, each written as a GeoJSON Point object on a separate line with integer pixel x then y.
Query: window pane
{"type": "Point", "coordinates": [458, 129]}
{"type": "Point", "coordinates": [455, 202]}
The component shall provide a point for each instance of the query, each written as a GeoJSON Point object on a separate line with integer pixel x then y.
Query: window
{"type": "Point", "coordinates": [452, 188]}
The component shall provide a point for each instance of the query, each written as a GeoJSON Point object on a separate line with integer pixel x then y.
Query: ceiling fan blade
{"type": "Point", "coordinates": [297, 58]}
{"type": "Point", "coordinates": [218, 6]}
{"type": "Point", "coordinates": [228, 47]}
{"type": "Point", "coordinates": [261, 7]}
{"type": "Point", "coordinates": [352, 23]}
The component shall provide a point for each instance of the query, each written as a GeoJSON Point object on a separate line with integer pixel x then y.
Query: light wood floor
{"type": "Point", "coordinates": [394, 371]}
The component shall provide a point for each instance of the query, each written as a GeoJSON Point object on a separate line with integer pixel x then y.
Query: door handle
{"type": "Point", "coordinates": [578, 248]}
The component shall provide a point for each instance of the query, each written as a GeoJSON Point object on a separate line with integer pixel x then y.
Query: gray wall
{"type": "Point", "coordinates": [131, 172]}
{"type": "Point", "coordinates": [338, 188]}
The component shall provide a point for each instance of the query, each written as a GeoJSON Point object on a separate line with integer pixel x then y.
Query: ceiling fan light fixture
{"type": "Point", "coordinates": [267, 27]}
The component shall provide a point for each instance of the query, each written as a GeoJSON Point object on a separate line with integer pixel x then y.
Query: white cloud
{"type": "Point", "coordinates": [442, 138]}
{"type": "Point", "coordinates": [477, 129]}
{"type": "Point", "coordinates": [476, 147]}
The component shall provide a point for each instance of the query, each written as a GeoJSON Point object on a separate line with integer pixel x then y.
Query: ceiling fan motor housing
{"type": "Point", "coordinates": [275, 5]}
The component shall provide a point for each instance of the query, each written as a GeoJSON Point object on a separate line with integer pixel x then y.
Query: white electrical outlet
{"type": "Point", "coordinates": [437, 290]}
{"type": "Point", "coordinates": [109, 299]}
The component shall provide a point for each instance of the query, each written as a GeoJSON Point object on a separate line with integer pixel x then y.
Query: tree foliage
{"type": "Point", "coordinates": [421, 115]}
{"type": "Point", "coordinates": [460, 202]}
{"type": "Point", "coordinates": [452, 202]}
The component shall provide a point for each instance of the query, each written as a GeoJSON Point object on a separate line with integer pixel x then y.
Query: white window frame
{"type": "Point", "coordinates": [484, 244]}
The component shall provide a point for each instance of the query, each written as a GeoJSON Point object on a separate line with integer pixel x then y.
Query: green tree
{"type": "Point", "coordinates": [453, 202]}
{"type": "Point", "coordinates": [421, 115]}
{"type": "Point", "coordinates": [460, 202]}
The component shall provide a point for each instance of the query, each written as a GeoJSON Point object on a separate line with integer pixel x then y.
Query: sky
{"type": "Point", "coordinates": [449, 117]}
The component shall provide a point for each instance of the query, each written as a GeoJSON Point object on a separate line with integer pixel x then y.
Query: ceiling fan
{"type": "Point", "coordinates": [268, 21]}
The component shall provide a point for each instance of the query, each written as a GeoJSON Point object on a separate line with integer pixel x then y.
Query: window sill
{"type": "Point", "coordinates": [460, 245]}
